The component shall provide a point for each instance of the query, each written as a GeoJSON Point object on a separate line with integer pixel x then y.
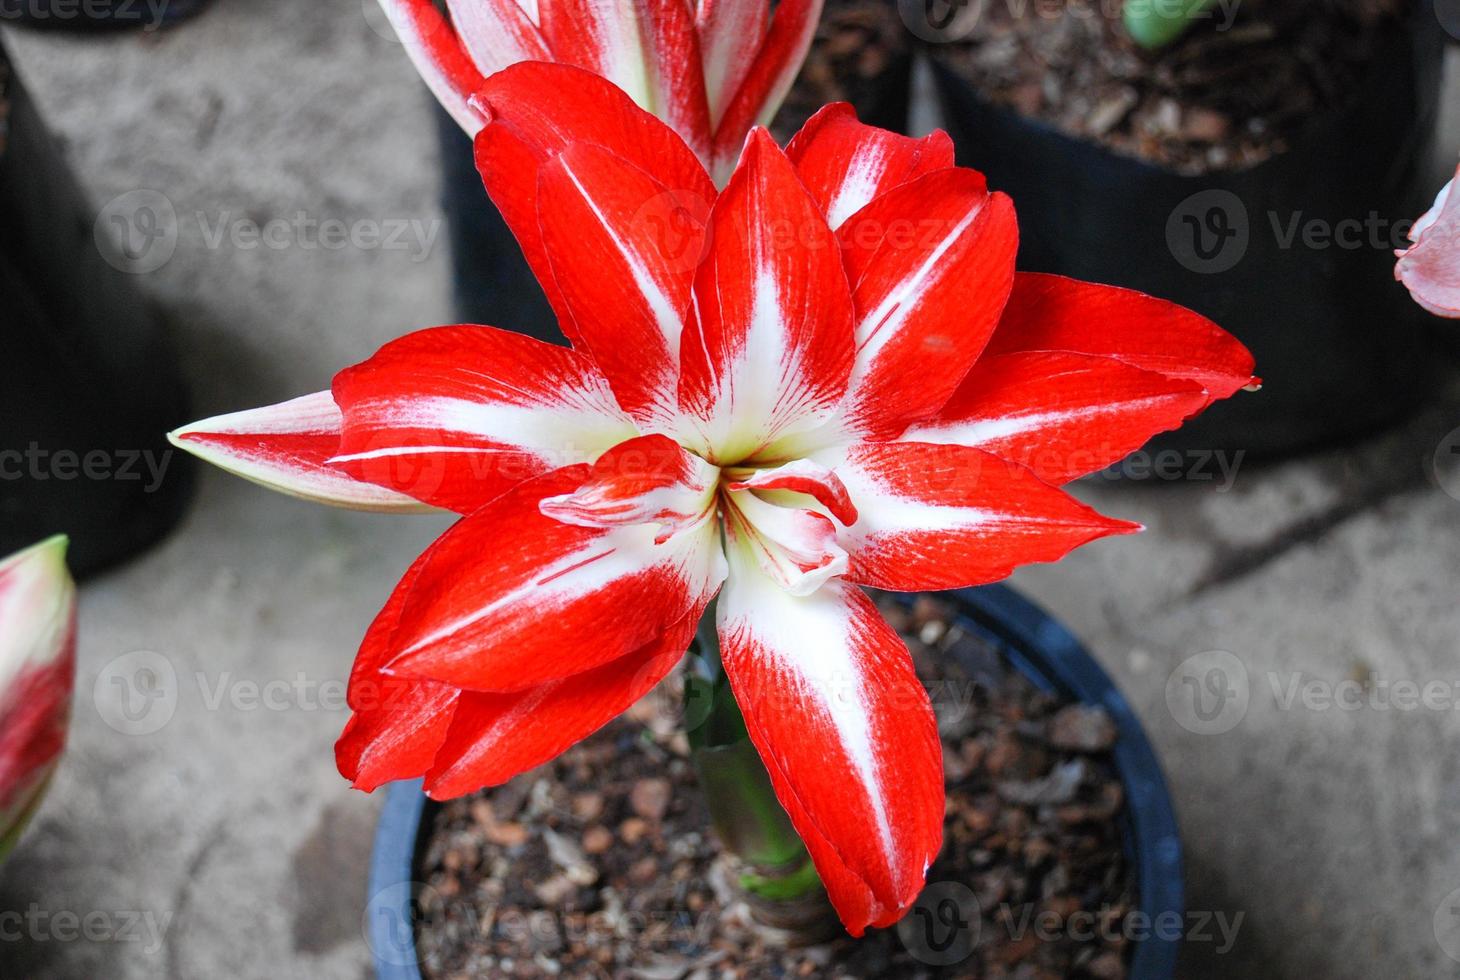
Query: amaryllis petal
{"type": "Point", "coordinates": [601, 36]}
{"type": "Point", "coordinates": [439, 57]}
{"type": "Point", "coordinates": [537, 110]}
{"type": "Point", "coordinates": [855, 903]}
{"type": "Point", "coordinates": [755, 102]}
{"type": "Point", "coordinates": [398, 722]}
{"type": "Point", "coordinates": [285, 447]}
{"type": "Point", "coordinates": [1048, 312]}
{"type": "Point", "coordinates": [37, 673]}
{"type": "Point", "coordinates": [512, 598]}
{"type": "Point", "coordinates": [623, 249]}
{"type": "Point", "coordinates": [710, 70]}
{"type": "Point", "coordinates": [802, 476]}
{"type": "Point", "coordinates": [771, 349]}
{"type": "Point", "coordinates": [945, 517]}
{"type": "Point", "coordinates": [650, 479]}
{"type": "Point", "coordinates": [455, 416]}
{"type": "Point", "coordinates": [834, 708]}
{"type": "Point", "coordinates": [1061, 415]}
{"type": "Point", "coordinates": [845, 163]}
{"type": "Point", "coordinates": [676, 70]}
{"type": "Point", "coordinates": [931, 264]}
{"type": "Point", "coordinates": [496, 33]}
{"type": "Point", "coordinates": [549, 107]}
{"type": "Point", "coordinates": [1430, 268]}
{"type": "Point", "coordinates": [496, 736]}
{"type": "Point", "coordinates": [724, 27]}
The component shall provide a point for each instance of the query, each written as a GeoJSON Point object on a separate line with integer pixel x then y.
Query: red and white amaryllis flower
{"type": "Point", "coordinates": [1430, 268]}
{"type": "Point", "coordinates": [828, 376]}
{"type": "Point", "coordinates": [37, 672]}
{"type": "Point", "coordinates": [711, 69]}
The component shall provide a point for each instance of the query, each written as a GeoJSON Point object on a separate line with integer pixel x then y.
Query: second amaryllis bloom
{"type": "Point", "coordinates": [37, 673]}
{"type": "Point", "coordinates": [825, 377]}
{"type": "Point", "coordinates": [711, 69]}
{"type": "Point", "coordinates": [1430, 267]}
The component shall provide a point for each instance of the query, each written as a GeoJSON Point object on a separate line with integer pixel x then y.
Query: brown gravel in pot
{"type": "Point", "coordinates": [861, 54]}
{"type": "Point", "coordinates": [1215, 99]}
{"type": "Point", "coordinates": [601, 864]}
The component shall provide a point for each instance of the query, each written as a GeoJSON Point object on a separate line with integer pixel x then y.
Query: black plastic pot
{"type": "Point", "coordinates": [885, 101]}
{"type": "Point", "coordinates": [1339, 344]}
{"type": "Point", "coordinates": [491, 281]}
{"type": "Point", "coordinates": [88, 382]}
{"type": "Point", "coordinates": [1035, 644]}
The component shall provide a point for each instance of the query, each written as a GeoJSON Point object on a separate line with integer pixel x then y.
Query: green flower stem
{"type": "Point", "coordinates": [742, 802]}
{"type": "Point", "coordinates": [1156, 23]}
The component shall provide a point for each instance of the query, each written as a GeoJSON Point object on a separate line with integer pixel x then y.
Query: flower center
{"type": "Point", "coordinates": [788, 518]}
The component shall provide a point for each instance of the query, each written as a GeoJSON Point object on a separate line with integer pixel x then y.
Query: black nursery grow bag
{"type": "Point", "coordinates": [1339, 344]}
{"type": "Point", "coordinates": [89, 382]}
{"type": "Point", "coordinates": [491, 280]}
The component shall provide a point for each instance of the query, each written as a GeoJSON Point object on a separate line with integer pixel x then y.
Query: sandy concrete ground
{"type": "Point", "coordinates": [215, 839]}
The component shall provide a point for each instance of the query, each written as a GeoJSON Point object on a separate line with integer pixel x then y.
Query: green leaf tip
{"type": "Point", "coordinates": [1153, 24]}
